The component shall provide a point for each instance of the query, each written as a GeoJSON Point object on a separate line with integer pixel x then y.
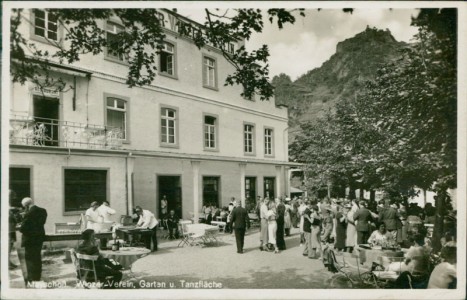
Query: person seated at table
{"type": "Point", "coordinates": [209, 218]}
{"type": "Point", "coordinates": [416, 261]}
{"type": "Point", "coordinates": [104, 267]}
{"type": "Point", "coordinates": [224, 213]}
{"type": "Point", "coordinates": [217, 213]}
{"type": "Point", "coordinates": [444, 275]}
{"type": "Point", "coordinates": [381, 237]}
{"type": "Point", "coordinates": [172, 224]}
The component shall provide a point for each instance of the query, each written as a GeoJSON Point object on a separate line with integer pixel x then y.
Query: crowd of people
{"type": "Point", "coordinates": [344, 224]}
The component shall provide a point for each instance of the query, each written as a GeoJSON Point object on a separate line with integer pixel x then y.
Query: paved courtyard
{"type": "Point", "coordinates": [214, 264]}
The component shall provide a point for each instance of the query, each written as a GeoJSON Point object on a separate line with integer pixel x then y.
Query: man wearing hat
{"type": "Point", "coordinates": [362, 219]}
{"type": "Point", "coordinates": [92, 215]}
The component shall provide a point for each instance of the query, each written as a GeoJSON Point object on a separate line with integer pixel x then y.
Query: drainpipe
{"type": "Point", "coordinates": [74, 93]}
{"type": "Point", "coordinates": [129, 164]}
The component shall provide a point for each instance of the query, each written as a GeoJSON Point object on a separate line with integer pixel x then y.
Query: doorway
{"type": "Point", "coordinates": [269, 187]}
{"type": "Point", "coordinates": [211, 189]}
{"type": "Point", "coordinates": [171, 188]}
{"type": "Point", "coordinates": [250, 193]}
{"type": "Point", "coordinates": [46, 116]}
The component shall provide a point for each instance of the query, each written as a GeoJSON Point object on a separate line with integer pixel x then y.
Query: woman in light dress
{"type": "Point", "coordinates": [351, 234]}
{"type": "Point", "coordinates": [287, 217]}
{"type": "Point", "coordinates": [316, 221]}
{"type": "Point", "coordinates": [301, 210]}
{"type": "Point", "coordinates": [272, 224]}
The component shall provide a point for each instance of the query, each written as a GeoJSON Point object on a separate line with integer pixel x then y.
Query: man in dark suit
{"type": "Point", "coordinates": [33, 232]}
{"type": "Point", "coordinates": [362, 217]}
{"type": "Point", "coordinates": [390, 217]}
{"type": "Point", "coordinates": [239, 221]}
{"type": "Point", "coordinates": [172, 224]}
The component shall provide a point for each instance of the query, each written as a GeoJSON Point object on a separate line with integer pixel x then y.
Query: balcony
{"type": "Point", "coordinates": [35, 131]}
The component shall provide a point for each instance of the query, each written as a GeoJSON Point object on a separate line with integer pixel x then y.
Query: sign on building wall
{"type": "Point", "coordinates": [47, 92]}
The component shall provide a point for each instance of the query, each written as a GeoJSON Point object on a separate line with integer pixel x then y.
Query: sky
{"type": "Point", "coordinates": [312, 40]}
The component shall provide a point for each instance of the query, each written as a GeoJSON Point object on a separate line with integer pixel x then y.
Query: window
{"type": "Point", "coordinates": [82, 187]}
{"type": "Point", "coordinates": [20, 185]}
{"type": "Point", "coordinates": [248, 137]}
{"type": "Point", "coordinates": [210, 132]}
{"type": "Point", "coordinates": [116, 116]}
{"type": "Point", "coordinates": [45, 25]}
{"type": "Point", "coordinates": [268, 141]}
{"type": "Point", "coordinates": [113, 41]}
{"type": "Point", "coordinates": [209, 72]}
{"type": "Point", "coordinates": [229, 48]}
{"type": "Point", "coordinates": [168, 126]}
{"type": "Point", "coordinates": [211, 191]}
{"type": "Point", "coordinates": [167, 59]}
{"type": "Point", "coordinates": [269, 184]}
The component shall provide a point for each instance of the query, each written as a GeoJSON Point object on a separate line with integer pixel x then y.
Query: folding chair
{"type": "Point", "coordinates": [86, 268]}
{"type": "Point", "coordinates": [195, 236]}
{"type": "Point", "coordinates": [184, 232]}
{"type": "Point", "coordinates": [165, 224]}
{"type": "Point", "coordinates": [364, 275]}
{"type": "Point", "coordinates": [339, 270]}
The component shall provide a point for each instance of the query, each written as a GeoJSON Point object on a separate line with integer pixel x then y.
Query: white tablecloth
{"type": "Point", "coordinates": [126, 256]}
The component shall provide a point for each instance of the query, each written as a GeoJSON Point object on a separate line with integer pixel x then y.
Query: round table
{"type": "Point", "coordinates": [126, 256]}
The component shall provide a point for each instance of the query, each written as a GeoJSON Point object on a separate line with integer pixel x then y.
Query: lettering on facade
{"type": "Point", "coordinates": [48, 92]}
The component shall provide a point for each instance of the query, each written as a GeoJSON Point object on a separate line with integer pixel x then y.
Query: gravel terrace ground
{"type": "Point", "coordinates": [254, 269]}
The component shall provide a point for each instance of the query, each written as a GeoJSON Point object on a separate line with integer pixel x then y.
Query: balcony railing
{"type": "Point", "coordinates": [36, 131]}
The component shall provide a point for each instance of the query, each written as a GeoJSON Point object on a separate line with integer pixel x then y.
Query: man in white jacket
{"type": "Point", "coordinates": [105, 211]}
{"type": "Point", "coordinates": [147, 220]}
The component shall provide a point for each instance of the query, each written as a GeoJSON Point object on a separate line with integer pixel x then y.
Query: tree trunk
{"type": "Point", "coordinates": [424, 197]}
{"type": "Point", "coordinates": [438, 230]}
{"type": "Point", "coordinates": [372, 195]}
{"type": "Point", "coordinates": [362, 193]}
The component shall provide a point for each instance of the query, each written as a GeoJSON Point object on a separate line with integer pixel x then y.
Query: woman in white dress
{"type": "Point", "coordinates": [287, 217]}
{"type": "Point", "coordinates": [272, 224]}
{"type": "Point", "coordinates": [301, 210]}
{"type": "Point", "coordinates": [351, 234]}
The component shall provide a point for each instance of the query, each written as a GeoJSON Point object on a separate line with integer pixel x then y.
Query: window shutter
{"type": "Point", "coordinates": [205, 75]}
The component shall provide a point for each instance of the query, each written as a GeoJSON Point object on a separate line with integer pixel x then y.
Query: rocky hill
{"type": "Point", "coordinates": [345, 73]}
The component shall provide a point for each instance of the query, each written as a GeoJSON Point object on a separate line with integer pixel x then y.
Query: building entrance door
{"type": "Point", "coordinates": [46, 117]}
{"type": "Point", "coordinates": [170, 187]}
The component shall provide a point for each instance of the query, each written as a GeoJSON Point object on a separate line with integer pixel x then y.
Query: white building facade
{"type": "Point", "coordinates": [185, 136]}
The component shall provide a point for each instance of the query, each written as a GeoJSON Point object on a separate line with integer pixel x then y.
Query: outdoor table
{"type": "Point", "coordinates": [52, 237]}
{"type": "Point", "coordinates": [253, 218]}
{"type": "Point", "coordinates": [131, 234]}
{"type": "Point", "coordinates": [368, 256]}
{"type": "Point", "coordinates": [126, 256]}
{"type": "Point", "coordinates": [209, 231]}
{"type": "Point", "coordinates": [221, 225]}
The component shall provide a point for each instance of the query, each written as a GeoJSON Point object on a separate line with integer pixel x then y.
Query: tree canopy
{"type": "Point", "coordinates": [142, 40]}
{"type": "Point", "coordinates": [400, 131]}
